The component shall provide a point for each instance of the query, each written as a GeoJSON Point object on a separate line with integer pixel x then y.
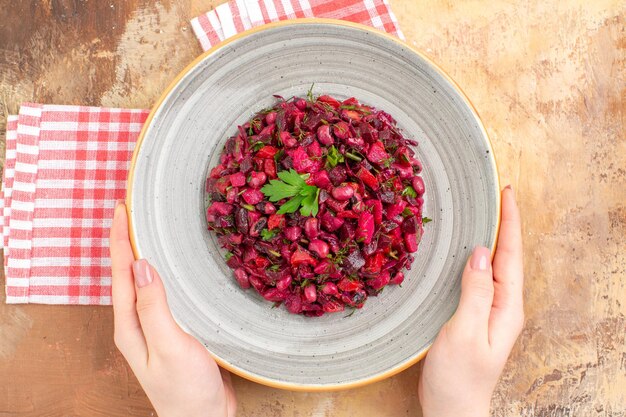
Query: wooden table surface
{"type": "Point", "coordinates": [547, 77]}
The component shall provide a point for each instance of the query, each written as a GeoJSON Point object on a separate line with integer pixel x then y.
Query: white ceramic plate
{"type": "Point", "coordinates": [183, 138]}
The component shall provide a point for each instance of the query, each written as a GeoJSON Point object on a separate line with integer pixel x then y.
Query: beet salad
{"type": "Point", "coordinates": [318, 203]}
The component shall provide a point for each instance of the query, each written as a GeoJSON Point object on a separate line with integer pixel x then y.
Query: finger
{"type": "Point", "coordinates": [159, 328]}
{"type": "Point", "coordinates": [231, 400]}
{"type": "Point", "coordinates": [472, 315]}
{"type": "Point", "coordinates": [128, 335]}
{"type": "Point", "coordinates": [507, 313]}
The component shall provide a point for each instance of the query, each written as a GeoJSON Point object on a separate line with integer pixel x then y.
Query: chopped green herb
{"type": "Point", "coordinates": [278, 155]}
{"type": "Point", "coordinates": [340, 255]}
{"type": "Point", "coordinates": [274, 267]}
{"type": "Point", "coordinates": [426, 220]}
{"type": "Point", "coordinates": [254, 124]}
{"type": "Point", "coordinates": [387, 162]}
{"type": "Point", "coordinates": [353, 157]}
{"type": "Point", "coordinates": [276, 304]}
{"type": "Point", "coordinates": [333, 157]}
{"type": "Point", "coordinates": [257, 145]}
{"type": "Point", "coordinates": [351, 313]}
{"type": "Point", "coordinates": [309, 94]}
{"type": "Point", "coordinates": [228, 256]}
{"type": "Point", "coordinates": [406, 212]}
{"type": "Point", "coordinates": [273, 252]}
{"type": "Point", "coordinates": [268, 234]}
{"type": "Point", "coordinates": [248, 207]}
{"type": "Point", "coordinates": [408, 190]}
{"type": "Point", "coordinates": [327, 107]}
{"type": "Point", "coordinates": [360, 109]}
{"type": "Point", "coordinates": [304, 283]}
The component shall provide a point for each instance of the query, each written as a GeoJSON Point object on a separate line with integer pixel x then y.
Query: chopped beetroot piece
{"type": "Point", "coordinates": [269, 167]}
{"type": "Point", "coordinates": [284, 283]}
{"type": "Point", "coordinates": [329, 100]}
{"type": "Point", "coordinates": [300, 256]}
{"type": "Point", "coordinates": [221, 209]}
{"type": "Point", "coordinates": [377, 153]}
{"type": "Point", "coordinates": [276, 221]}
{"type": "Point", "coordinates": [288, 140]}
{"type": "Point", "coordinates": [397, 279]}
{"type": "Point", "coordinates": [332, 306]}
{"type": "Point", "coordinates": [368, 178]}
{"type": "Point", "coordinates": [293, 233]}
{"type": "Point", "coordinates": [410, 241]}
{"type": "Point", "coordinates": [394, 209]}
{"type": "Point", "coordinates": [238, 179]}
{"type": "Point", "coordinates": [330, 288]}
{"type": "Point", "coordinates": [377, 210]}
{"type": "Point", "coordinates": [380, 281]}
{"type": "Point", "coordinates": [321, 180]}
{"type": "Point", "coordinates": [409, 225]}
{"type": "Point", "coordinates": [404, 172]}
{"type": "Point", "coordinates": [252, 196]}
{"type": "Point", "coordinates": [242, 278]}
{"type": "Point", "coordinates": [341, 130]}
{"type": "Point", "coordinates": [337, 175]}
{"type": "Point", "coordinates": [294, 304]}
{"type": "Point", "coordinates": [365, 229]}
{"type": "Point", "coordinates": [337, 206]}
{"type": "Point", "coordinates": [274, 294]}
{"type": "Point", "coordinates": [257, 179]}
{"type": "Point", "coordinates": [353, 262]}
{"type": "Point", "coordinates": [314, 150]}
{"type": "Point", "coordinates": [374, 263]}
{"type": "Point", "coordinates": [324, 267]}
{"type": "Point", "coordinates": [349, 285]}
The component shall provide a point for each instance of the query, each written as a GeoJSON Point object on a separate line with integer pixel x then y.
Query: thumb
{"type": "Point", "coordinates": [157, 323]}
{"type": "Point", "coordinates": [477, 290]}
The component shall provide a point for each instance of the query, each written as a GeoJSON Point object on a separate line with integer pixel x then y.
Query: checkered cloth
{"type": "Point", "coordinates": [67, 165]}
{"type": "Point", "coordinates": [235, 16]}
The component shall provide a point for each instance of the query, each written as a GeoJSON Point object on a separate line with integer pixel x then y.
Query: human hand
{"type": "Point", "coordinates": [464, 363]}
{"type": "Point", "coordinates": [177, 373]}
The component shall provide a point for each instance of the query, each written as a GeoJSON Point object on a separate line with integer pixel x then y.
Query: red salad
{"type": "Point", "coordinates": [318, 202]}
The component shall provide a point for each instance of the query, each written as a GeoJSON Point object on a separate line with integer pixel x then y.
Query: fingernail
{"type": "Point", "coordinates": [118, 203]}
{"type": "Point", "coordinates": [509, 187]}
{"type": "Point", "coordinates": [141, 271]}
{"type": "Point", "coordinates": [480, 259]}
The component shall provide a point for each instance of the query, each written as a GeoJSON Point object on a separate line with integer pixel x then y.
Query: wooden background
{"type": "Point", "coordinates": [547, 77]}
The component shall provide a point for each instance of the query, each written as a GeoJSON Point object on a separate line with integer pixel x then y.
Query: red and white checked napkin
{"type": "Point", "coordinates": [236, 16]}
{"type": "Point", "coordinates": [66, 166]}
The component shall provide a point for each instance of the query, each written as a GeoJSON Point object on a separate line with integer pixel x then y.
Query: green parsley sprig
{"type": "Point", "coordinates": [293, 186]}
